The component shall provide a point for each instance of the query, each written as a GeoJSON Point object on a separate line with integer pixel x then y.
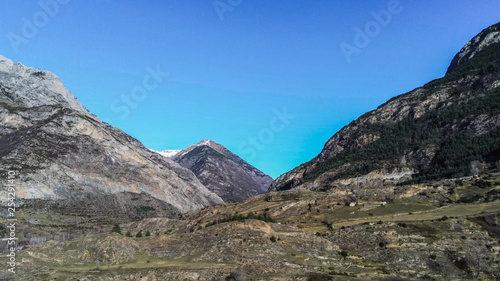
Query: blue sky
{"type": "Point", "coordinates": [270, 81]}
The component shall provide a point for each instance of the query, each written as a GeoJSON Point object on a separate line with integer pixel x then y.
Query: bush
{"type": "Point", "coordinates": [344, 254]}
{"type": "Point", "coordinates": [148, 233]}
{"type": "Point", "coordinates": [117, 229]}
{"type": "Point", "coordinates": [139, 234]}
{"type": "Point", "coordinates": [236, 276]}
{"type": "Point", "coordinates": [273, 239]}
{"type": "Point", "coordinates": [128, 234]}
{"type": "Point", "coordinates": [482, 183]}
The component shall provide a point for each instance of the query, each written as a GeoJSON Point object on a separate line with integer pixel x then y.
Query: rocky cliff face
{"type": "Point", "coordinates": [221, 171]}
{"type": "Point", "coordinates": [449, 127]}
{"type": "Point", "coordinates": [62, 152]}
{"type": "Point", "coordinates": [488, 37]}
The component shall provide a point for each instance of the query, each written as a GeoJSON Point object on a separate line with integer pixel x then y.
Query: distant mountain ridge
{"type": "Point", "coordinates": [221, 171]}
{"type": "Point", "coordinates": [449, 127]}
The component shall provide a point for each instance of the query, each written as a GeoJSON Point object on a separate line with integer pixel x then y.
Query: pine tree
{"type": "Point", "coordinates": [117, 229]}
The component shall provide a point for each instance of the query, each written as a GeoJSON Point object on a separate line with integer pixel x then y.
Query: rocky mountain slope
{"type": "Point", "coordinates": [62, 153]}
{"type": "Point", "coordinates": [449, 127]}
{"type": "Point", "coordinates": [221, 171]}
{"type": "Point", "coordinates": [436, 229]}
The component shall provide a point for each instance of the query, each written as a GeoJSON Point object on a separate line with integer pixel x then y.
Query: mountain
{"type": "Point", "coordinates": [66, 159]}
{"type": "Point", "coordinates": [440, 229]}
{"type": "Point", "coordinates": [221, 171]}
{"type": "Point", "coordinates": [447, 128]}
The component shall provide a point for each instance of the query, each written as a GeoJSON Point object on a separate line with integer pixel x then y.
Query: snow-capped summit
{"type": "Point", "coordinates": [221, 171]}
{"type": "Point", "coordinates": [204, 142]}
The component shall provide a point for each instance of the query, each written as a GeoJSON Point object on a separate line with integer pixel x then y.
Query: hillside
{"type": "Point", "coordinates": [447, 128]}
{"type": "Point", "coordinates": [68, 161]}
{"type": "Point", "coordinates": [297, 235]}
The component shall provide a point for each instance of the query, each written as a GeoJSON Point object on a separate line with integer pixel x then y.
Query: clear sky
{"type": "Point", "coordinates": [270, 80]}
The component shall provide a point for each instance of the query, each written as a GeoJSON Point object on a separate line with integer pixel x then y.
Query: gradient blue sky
{"type": "Point", "coordinates": [228, 77]}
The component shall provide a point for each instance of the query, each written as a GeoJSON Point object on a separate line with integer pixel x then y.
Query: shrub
{"type": "Point", "coordinates": [344, 254]}
{"type": "Point", "coordinates": [236, 276]}
{"type": "Point", "coordinates": [273, 239]}
{"type": "Point", "coordinates": [148, 233]}
{"type": "Point", "coordinates": [139, 234]}
{"type": "Point", "coordinates": [251, 216]}
{"type": "Point", "coordinates": [117, 229]}
{"type": "Point", "coordinates": [128, 234]}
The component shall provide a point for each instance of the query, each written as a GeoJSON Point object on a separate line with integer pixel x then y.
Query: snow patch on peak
{"type": "Point", "coordinates": [170, 153]}
{"type": "Point", "coordinates": [205, 142]}
{"type": "Point", "coordinates": [167, 153]}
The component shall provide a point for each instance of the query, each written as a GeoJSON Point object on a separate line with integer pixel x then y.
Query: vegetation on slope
{"type": "Point", "coordinates": [456, 150]}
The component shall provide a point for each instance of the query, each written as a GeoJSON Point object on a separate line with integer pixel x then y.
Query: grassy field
{"type": "Point", "coordinates": [426, 212]}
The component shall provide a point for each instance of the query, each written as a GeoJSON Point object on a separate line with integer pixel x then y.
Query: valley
{"type": "Point", "coordinates": [294, 235]}
{"type": "Point", "coordinates": [408, 191]}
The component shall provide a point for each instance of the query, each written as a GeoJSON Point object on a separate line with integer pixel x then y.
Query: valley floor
{"type": "Point", "coordinates": [421, 232]}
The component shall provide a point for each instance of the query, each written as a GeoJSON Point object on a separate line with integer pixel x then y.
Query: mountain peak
{"type": "Point", "coordinates": [486, 38]}
{"type": "Point", "coordinates": [221, 171]}
{"type": "Point", "coordinates": [30, 87]}
{"type": "Point", "coordinates": [215, 146]}
{"type": "Point", "coordinates": [421, 135]}
{"type": "Point", "coordinates": [205, 142]}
